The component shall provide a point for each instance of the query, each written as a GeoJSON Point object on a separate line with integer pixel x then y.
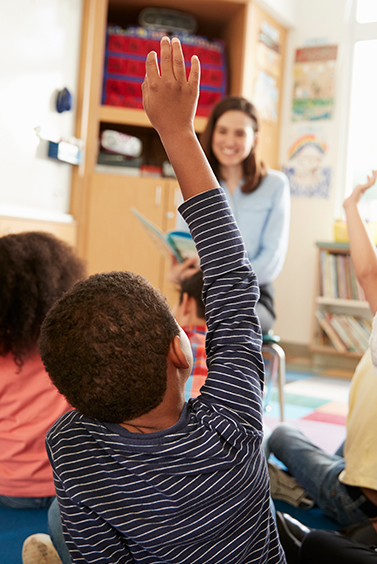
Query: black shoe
{"type": "Point", "coordinates": [363, 533]}
{"type": "Point", "coordinates": [291, 533]}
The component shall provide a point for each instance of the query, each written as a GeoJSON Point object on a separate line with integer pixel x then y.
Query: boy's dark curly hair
{"type": "Point", "coordinates": [105, 343]}
{"type": "Point", "coordinates": [36, 268]}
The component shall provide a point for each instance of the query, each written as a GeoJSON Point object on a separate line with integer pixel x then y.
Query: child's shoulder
{"type": "Point", "coordinates": [67, 421]}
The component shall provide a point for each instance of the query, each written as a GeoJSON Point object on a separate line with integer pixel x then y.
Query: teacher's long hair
{"type": "Point", "coordinates": [253, 170]}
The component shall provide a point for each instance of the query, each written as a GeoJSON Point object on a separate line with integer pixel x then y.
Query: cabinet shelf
{"type": "Point", "coordinates": [130, 116]}
{"type": "Point", "coordinates": [330, 350]}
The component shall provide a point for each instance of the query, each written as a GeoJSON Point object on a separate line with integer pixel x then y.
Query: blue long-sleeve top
{"type": "Point", "coordinates": [198, 492]}
{"type": "Point", "coordinates": [263, 218]}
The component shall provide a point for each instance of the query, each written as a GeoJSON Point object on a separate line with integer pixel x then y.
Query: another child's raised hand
{"type": "Point", "coordinates": [354, 197]}
{"type": "Point", "coordinates": [170, 99]}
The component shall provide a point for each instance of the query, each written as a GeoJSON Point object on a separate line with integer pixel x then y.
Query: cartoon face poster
{"type": "Point", "coordinates": [306, 167]}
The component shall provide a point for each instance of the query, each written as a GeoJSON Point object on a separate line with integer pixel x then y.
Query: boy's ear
{"type": "Point", "coordinates": [176, 354]}
{"type": "Point", "coordinates": [185, 303]}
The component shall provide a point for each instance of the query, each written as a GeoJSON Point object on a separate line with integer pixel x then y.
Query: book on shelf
{"type": "Point", "coordinates": [338, 326]}
{"type": "Point", "coordinates": [342, 281]}
{"type": "Point", "coordinates": [330, 332]}
{"type": "Point", "coordinates": [337, 277]}
{"type": "Point", "coordinates": [345, 332]}
{"type": "Point", "coordinates": [359, 333]}
{"type": "Point", "coordinates": [178, 244]}
{"type": "Point", "coordinates": [355, 343]}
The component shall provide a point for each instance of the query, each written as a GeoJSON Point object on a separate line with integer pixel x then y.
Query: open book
{"type": "Point", "coordinates": [174, 243]}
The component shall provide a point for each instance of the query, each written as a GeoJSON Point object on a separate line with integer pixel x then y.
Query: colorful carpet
{"type": "Point", "coordinates": [316, 404]}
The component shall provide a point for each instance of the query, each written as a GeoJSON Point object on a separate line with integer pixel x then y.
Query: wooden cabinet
{"type": "Point", "coordinates": [109, 237]}
{"type": "Point", "coordinates": [341, 315]}
{"type": "Point", "coordinates": [116, 238]}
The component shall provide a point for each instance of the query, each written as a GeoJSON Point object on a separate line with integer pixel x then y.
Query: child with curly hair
{"type": "Point", "coordinates": [35, 270]}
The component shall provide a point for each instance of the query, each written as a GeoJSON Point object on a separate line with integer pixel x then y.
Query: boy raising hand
{"type": "Point", "coordinates": [141, 476]}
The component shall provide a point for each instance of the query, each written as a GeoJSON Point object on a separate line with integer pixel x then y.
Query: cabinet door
{"type": "Point", "coordinates": [172, 200]}
{"type": "Point", "coordinates": [116, 238]}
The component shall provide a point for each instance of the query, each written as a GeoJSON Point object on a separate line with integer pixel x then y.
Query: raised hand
{"type": "Point", "coordinates": [181, 270]}
{"type": "Point", "coordinates": [355, 196]}
{"type": "Point", "coordinates": [170, 99]}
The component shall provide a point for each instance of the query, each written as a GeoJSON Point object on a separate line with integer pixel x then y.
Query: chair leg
{"type": "Point", "coordinates": [281, 377]}
{"type": "Point", "coordinates": [277, 369]}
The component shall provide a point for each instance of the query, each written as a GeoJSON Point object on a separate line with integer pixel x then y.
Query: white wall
{"type": "Point", "coordinates": [39, 47]}
{"type": "Point", "coordinates": [311, 219]}
{"type": "Point", "coordinates": [284, 11]}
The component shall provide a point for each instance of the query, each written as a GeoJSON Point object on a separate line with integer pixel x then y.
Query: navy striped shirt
{"type": "Point", "coordinates": [198, 492]}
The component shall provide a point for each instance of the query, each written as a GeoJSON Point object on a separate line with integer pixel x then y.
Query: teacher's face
{"type": "Point", "coordinates": [233, 138]}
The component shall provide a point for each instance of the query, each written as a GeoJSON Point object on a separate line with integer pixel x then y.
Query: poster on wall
{"type": "Point", "coordinates": [307, 167]}
{"type": "Point", "coordinates": [268, 55]}
{"type": "Point", "coordinates": [266, 96]}
{"type": "Point", "coordinates": [314, 83]}
{"type": "Point", "coordinates": [268, 59]}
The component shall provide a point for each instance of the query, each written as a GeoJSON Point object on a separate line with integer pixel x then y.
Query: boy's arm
{"type": "Point", "coordinates": [170, 102]}
{"type": "Point", "coordinates": [363, 250]}
{"type": "Point", "coordinates": [230, 291]}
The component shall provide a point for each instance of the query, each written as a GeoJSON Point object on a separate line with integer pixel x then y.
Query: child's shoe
{"type": "Point", "coordinates": [38, 549]}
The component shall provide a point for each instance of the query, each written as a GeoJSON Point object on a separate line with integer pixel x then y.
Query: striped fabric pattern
{"type": "Point", "coordinates": [198, 492]}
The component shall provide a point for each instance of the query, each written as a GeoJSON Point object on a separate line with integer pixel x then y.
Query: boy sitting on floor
{"type": "Point", "coordinates": [140, 475]}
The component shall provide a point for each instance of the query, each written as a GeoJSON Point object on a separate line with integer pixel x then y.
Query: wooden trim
{"type": "Point", "coordinates": [88, 101]}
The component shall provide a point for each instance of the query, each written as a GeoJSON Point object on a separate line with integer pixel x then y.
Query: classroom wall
{"type": "Point", "coordinates": [284, 11]}
{"type": "Point", "coordinates": [39, 46]}
{"type": "Point", "coordinates": [311, 218]}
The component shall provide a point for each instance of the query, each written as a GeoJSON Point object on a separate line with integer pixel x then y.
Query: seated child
{"type": "Point", "coordinates": [344, 486]}
{"type": "Point", "coordinates": [190, 314]}
{"type": "Point", "coordinates": [141, 475]}
{"type": "Point", "coordinates": [35, 270]}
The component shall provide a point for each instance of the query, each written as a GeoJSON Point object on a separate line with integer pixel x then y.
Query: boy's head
{"type": "Point", "coordinates": [105, 343]}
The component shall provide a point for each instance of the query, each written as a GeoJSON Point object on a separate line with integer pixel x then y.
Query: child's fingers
{"type": "Point", "coordinates": [178, 60]}
{"type": "Point", "coordinates": [166, 58]}
{"type": "Point", "coordinates": [194, 77]}
{"type": "Point", "coordinates": [151, 66]}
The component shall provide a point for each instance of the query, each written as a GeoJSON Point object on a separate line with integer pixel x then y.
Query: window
{"type": "Point", "coordinates": [366, 11]}
{"type": "Point", "coordinates": [362, 127]}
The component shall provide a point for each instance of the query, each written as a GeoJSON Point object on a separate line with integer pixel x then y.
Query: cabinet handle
{"type": "Point", "coordinates": [157, 196]}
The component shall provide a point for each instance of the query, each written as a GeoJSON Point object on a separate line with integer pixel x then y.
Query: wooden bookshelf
{"type": "Point", "coordinates": [341, 315]}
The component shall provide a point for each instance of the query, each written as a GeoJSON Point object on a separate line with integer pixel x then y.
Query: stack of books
{"type": "Point", "coordinates": [347, 333]}
{"type": "Point", "coordinates": [337, 277]}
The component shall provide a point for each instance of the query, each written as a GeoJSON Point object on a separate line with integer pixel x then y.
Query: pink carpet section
{"type": "Point", "coordinates": [332, 418]}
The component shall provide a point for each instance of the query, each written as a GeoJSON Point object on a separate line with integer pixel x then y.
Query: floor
{"type": "Point", "coordinates": [316, 396]}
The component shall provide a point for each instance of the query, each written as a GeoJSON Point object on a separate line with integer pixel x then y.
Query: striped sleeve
{"type": "Point", "coordinates": [230, 293]}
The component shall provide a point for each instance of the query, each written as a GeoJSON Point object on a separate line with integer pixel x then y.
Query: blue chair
{"type": "Point", "coordinates": [275, 369]}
